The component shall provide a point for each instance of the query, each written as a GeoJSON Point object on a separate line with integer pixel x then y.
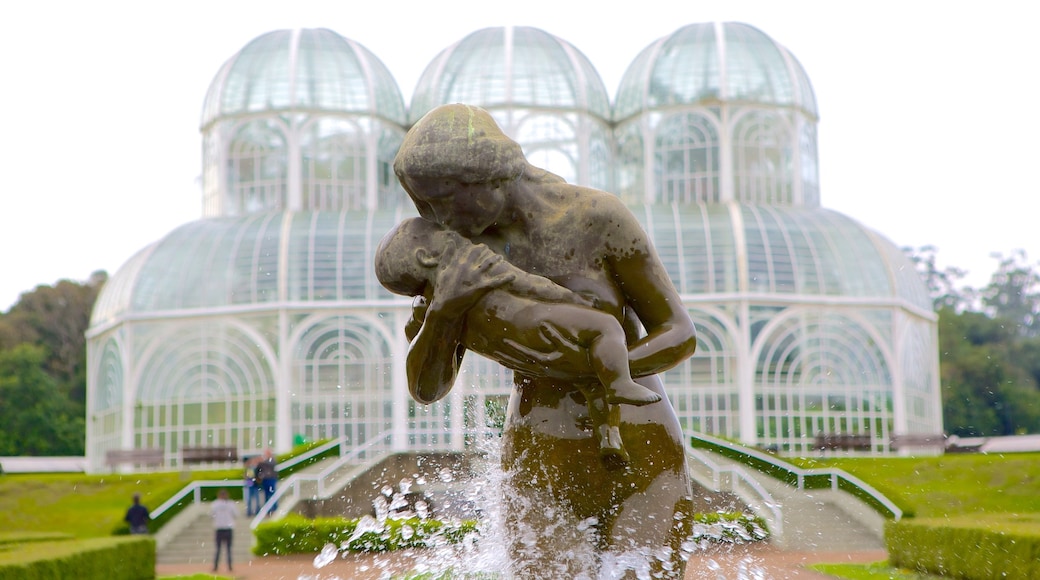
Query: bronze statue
{"type": "Point", "coordinates": [570, 513]}
{"type": "Point", "coordinates": [507, 322]}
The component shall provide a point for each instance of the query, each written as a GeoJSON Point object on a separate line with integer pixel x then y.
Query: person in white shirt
{"type": "Point", "coordinates": [224, 513]}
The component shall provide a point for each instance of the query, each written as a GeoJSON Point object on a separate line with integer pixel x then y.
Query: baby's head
{"type": "Point", "coordinates": [408, 255]}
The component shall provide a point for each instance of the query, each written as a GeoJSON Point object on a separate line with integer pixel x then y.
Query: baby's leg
{"type": "Point", "coordinates": [606, 420]}
{"type": "Point", "coordinates": [608, 353]}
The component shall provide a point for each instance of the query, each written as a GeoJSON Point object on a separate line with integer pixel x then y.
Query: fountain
{"type": "Point", "coordinates": [422, 488]}
{"type": "Point", "coordinates": [558, 283]}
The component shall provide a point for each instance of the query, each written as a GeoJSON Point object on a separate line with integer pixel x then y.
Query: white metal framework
{"type": "Point", "coordinates": [263, 321]}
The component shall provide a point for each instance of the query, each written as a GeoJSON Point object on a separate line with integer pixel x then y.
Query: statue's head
{"type": "Point", "coordinates": [457, 165]}
{"type": "Point", "coordinates": [461, 143]}
{"type": "Point", "coordinates": [409, 254]}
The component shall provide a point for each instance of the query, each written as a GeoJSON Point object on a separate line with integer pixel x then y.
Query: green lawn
{"type": "Point", "coordinates": [991, 491]}
{"type": "Point", "coordinates": [83, 506]}
{"type": "Point", "coordinates": [950, 485]}
{"type": "Point", "coordinates": [86, 506]}
{"type": "Point", "coordinates": [878, 571]}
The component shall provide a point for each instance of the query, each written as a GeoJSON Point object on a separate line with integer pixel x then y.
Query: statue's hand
{"type": "Point", "coordinates": [475, 270]}
{"type": "Point", "coordinates": [419, 307]}
{"type": "Point", "coordinates": [557, 344]}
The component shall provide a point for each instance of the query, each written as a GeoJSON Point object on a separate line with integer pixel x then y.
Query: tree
{"type": "Point", "coordinates": [57, 317]}
{"type": "Point", "coordinates": [1014, 293]}
{"type": "Point", "coordinates": [35, 417]}
{"type": "Point", "coordinates": [985, 391]}
{"type": "Point", "coordinates": [942, 284]}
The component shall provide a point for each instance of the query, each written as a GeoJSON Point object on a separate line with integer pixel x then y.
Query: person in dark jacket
{"type": "Point", "coordinates": [137, 516]}
{"type": "Point", "coordinates": [267, 475]}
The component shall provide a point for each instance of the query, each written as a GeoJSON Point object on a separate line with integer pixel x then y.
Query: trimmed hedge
{"type": "Point", "coordinates": [295, 534]}
{"type": "Point", "coordinates": [27, 537]}
{"type": "Point", "coordinates": [730, 527]}
{"type": "Point", "coordinates": [87, 559]}
{"type": "Point", "coordinates": [298, 535]}
{"type": "Point", "coordinates": [980, 547]}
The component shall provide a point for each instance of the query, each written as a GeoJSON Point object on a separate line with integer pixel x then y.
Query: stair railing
{"type": "Point", "coordinates": [747, 488]}
{"type": "Point", "coordinates": [194, 488]}
{"type": "Point", "coordinates": [836, 479]}
{"type": "Point", "coordinates": [293, 484]}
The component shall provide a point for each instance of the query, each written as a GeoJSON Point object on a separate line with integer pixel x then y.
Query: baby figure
{"type": "Point", "coordinates": [510, 318]}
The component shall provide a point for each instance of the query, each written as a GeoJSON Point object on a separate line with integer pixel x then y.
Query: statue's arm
{"type": "Point", "coordinates": [543, 289]}
{"type": "Point", "coordinates": [436, 351]}
{"type": "Point", "coordinates": [670, 335]}
{"type": "Point", "coordinates": [432, 364]}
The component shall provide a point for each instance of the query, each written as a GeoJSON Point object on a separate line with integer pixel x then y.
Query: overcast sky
{"type": "Point", "coordinates": [929, 131]}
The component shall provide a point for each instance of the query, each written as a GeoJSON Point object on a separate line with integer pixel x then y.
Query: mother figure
{"type": "Point", "coordinates": [568, 514]}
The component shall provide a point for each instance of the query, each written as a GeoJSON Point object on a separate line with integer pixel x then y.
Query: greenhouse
{"type": "Point", "coordinates": [262, 323]}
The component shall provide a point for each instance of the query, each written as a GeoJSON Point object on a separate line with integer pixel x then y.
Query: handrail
{"type": "Point", "coordinates": [313, 452]}
{"type": "Point", "coordinates": [799, 475]}
{"type": "Point", "coordinates": [295, 480]}
{"type": "Point", "coordinates": [776, 525]}
{"type": "Point", "coordinates": [194, 488]}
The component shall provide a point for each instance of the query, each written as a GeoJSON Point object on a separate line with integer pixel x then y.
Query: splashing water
{"type": "Point", "coordinates": [485, 555]}
{"type": "Point", "coordinates": [326, 556]}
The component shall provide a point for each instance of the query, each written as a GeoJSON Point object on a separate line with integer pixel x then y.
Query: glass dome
{"type": "Point", "coordinates": [301, 120]}
{"type": "Point", "coordinates": [542, 91]}
{"type": "Point", "coordinates": [265, 258]}
{"type": "Point", "coordinates": [779, 251]}
{"type": "Point", "coordinates": [303, 69]}
{"type": "Point", "coordinates": [713, 62]}
{"type": "Point", "coordinates": [519, 66]}
{"type": "Point", "coordinates": [716, 113]}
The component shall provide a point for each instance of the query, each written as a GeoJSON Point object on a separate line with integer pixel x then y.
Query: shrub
{"type": "Point", "coordinates": [86, 559]}
{"type": "Point", "coordinates": [728, 527]}
{"type": "Point", "coordinates": [973, 548]}
{"type": "Point", "coordinates": [299, 535]}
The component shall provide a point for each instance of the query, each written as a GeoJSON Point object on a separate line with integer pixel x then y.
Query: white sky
{"type": "Point", "coordinates": [929, 124]}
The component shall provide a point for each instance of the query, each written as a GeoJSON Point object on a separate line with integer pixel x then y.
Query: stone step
{"type": "Point", "coordinates": [820, 520]}
{"type": "Point", "coordinates": [195, 541]}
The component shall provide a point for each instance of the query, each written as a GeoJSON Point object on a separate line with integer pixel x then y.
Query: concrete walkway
{"type": "Point", "coordinates": [730, 563]}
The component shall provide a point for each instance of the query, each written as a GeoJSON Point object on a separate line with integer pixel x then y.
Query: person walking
{"type": "Point", "coordinates": [251, 486]}
{"type": "Point", "coordinates": [267, 475]}
{"type": "Point", "coordinates": [223, 512]}
{"type": "Point", "coordinates": [137, 516]}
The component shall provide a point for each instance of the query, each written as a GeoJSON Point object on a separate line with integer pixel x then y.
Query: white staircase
{"type": "Point", "coordinates": [810, 519]}
{"type": "Point", "coordinates": [190, 539]}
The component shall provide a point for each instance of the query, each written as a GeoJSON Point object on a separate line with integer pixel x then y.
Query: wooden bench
{"type": "Point", "coordinates": [139, 456]}
{"type": "Point", "coordinates": [910, 440]}
{"type": "Point", "coordinates": [208, 454]}
{"type": "Point", "coordinates": [843, 441]}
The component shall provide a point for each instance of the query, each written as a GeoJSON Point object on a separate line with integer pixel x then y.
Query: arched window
{"type": "Point", "coordinates": [819, 373]}
{"type": "Point", "coordinates": [810, 166]}
{"type": "Point", "coordinates": [390, 194]}
{"type": "Point", "coordinates": [257, 169]}
{"type": "Point", "coordinates": [686, 159]}
{"type": "Point", "coordinates": [703, 388]}
{"type": "Point", "coordinates": [341, 381]}
{"type": "Point", "coordinates": [599, 160]}
{"type": "Point", "coordinates": [630, 164]}
{"type": "Point", "coordinates": [204, 384]}
{"type": "Point", "coordinates": [550, 142]}
{"type": "Point", "coordinates": [763, 159]}
{"type": "Point", "coordinates": [333, 165]}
